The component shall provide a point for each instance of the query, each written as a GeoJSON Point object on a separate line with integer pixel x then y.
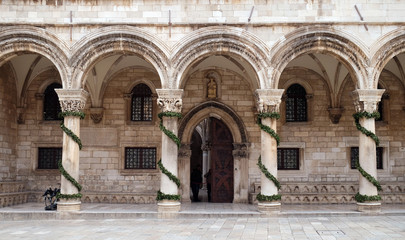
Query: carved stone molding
{"type": "Point", "coordinates": [170, 100]}
{"type": "Point", "coordinates": [72, 100]}
{"type": "Point", "coordinates": [366, 99]}
{"type": "Point", "coordinates": [184, 151]}
{"type": "Point", "coordinates": [335, 114]}
{"type": "Point", "coordinates": [96, 114]}
{"type": "Point", "coordinates": [240, 150]}
{"type": "Point", "coordinates": [206, 146]}
{"type": "Point", "coordinates": [268, 100]}
{"type": "Point", "coordinates": [20, 115]}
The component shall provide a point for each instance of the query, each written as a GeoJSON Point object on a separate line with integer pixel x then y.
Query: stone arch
{"type": "Point", "coordinates": [350, 51]}
{"type": "Point", "coordinates": [125, 39]}
{"type": "Point", "coordinates": [225, 40]}
{"type": "Point", "coordinates": [22, 39]}
{"type": "Point", "coordinates": [385, 48]}
{"type": "Point", "coordinates": [216, 109]}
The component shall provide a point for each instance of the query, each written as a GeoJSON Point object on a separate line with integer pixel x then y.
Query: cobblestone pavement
{"type": "Point", "coordinates": [340, 227]}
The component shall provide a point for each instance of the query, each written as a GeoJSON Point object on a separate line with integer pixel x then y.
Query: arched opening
{"type": "Point", "coordinates": [212, 158]}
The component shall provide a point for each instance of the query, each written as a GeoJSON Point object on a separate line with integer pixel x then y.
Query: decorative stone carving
{"type": "Point", "coordinates": [240, 150]}
{"type": "Point", "coordinates": [184, 151]}
{"type": "Point", "coordinates": [169, 100]}
{"type": "Point", "coordinates": [335, 114]}
{"type": "Point", "coordinates": [72, 100]}
{"type": "Point", "coordinates": [96, 114]}
{"type": "Point", "coordinates": [206, 146]}
{"type": "Point", "coordinates": [366, 99]}
{"type": "Point", "coordinates": [212, 88]}
{"type": "Point", "coordinates": [268, 100]}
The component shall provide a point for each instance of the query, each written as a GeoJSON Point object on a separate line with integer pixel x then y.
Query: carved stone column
{"type": "Point", "coordinates": [169, 100]}
{"type": "Point", "coordinates": [72, 101]}
{"type": "Point", "coordinates": [367, 100]}
{"type": "Point", "coordinates": [268, 100]}
{"type": "Point", "coordinates": [184, 174]}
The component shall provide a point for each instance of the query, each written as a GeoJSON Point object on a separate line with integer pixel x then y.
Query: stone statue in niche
{"type": "Point", "coordinates": [212, 88]}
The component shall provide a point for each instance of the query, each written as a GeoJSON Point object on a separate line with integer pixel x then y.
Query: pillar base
{"type": "Point", "coordinates": [68, 205]}
{"type": "Point", "coordinates": [168, 209]}
{"type": "Point", "coordinates": [269, 208]}
{"type": "Point", "coordinates": [369, 207]}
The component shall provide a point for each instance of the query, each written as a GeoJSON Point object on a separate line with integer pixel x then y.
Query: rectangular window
{"type": "Point", "coordinates": [140, 158]}
{"type": "Point", "coordinates": [48, 158]}
{"type": "Point", "coordinates": [288, 158]}
{"type": "Point", "coordinates": [355, 155]}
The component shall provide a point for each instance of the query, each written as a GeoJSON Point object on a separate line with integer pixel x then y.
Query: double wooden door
{"type": "Point", "coordinates": [221, 162]}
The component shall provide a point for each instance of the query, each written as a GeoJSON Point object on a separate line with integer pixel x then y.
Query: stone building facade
{"type": "Point", "coordinates": [220, 63]}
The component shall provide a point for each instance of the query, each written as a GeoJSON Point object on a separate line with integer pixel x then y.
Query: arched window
{"type": "Point", "coordinates": [296, 104]}
{"type": "Point", "coordinates": [141, 107]}
{"type": "Point", "coordinates": [51, 103]}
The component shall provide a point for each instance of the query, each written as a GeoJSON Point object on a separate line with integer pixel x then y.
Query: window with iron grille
{"type": "Point", "coordinates": [51, 103]}
{"type": "Point", "coordinates": [288, 158]}
{"type": "Point", "coordinates": [296, 104]}
{"type": "Point", "coordinates": [355, 155]}
{"type": "Point", "coordinates": [48, 158]}
{"type": "Point", "coordinates": [141, 106]}
{"type": "Point", "coordinates": [140, 158]}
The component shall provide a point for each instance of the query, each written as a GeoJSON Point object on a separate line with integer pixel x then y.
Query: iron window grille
{"type": "Point", "coordinates": [141, 104]}
{"type": "Point", "coordinates": [48, 158]}
{"type": "Point", "coordinates": [288, 158]}
{"type": "Point", "coordinates": [296, 104]}
{"type": "Point", "coordinates": [140, 158]}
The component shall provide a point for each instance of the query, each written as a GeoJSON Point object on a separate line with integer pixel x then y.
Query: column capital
{"type": "Point", "coordinates": [72, 100]}
{"type": "Point", "coordinates": [268, 100]}
{"type": "Point", "coordinates": [170, 100]}
{"type": "Point", "coordinates": [366, 99]}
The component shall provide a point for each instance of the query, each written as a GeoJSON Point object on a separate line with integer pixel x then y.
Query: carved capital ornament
{"type": "Point", "coordinates": [366, 99]}
{"type": "Point", "coordinates": [170, 100]}
{"type": "Point", "coordinates": [268, 100]}
{"type": "Point", "coordinates": [72, 100]}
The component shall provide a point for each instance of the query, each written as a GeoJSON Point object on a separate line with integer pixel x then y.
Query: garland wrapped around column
{"type": "Point", "coordinates": [161, 196]}
{"type": "Point", "coordinates": [60, 165]}
{"type": "Point", "coordinates": [359, 197]}
{"type": "Point", "coordinates": [261, 197]}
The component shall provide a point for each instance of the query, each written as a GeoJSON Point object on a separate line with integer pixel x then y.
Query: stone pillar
{"type": "Point", "coordinates": [268, 100]}
{"type": "Point", "coordinates": [184, 174]}
{"type": "Point", "coordinates": [169, 100]}
{"type": "Point", "coordinates": [367, 100]}
{"type": "Point", "coordinates": [72, 101]}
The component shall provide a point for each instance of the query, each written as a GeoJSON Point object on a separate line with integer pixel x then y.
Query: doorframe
{"type": "Point", "coordinates": [240, 147]}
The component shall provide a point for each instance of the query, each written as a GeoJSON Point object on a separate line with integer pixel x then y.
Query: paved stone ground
{"type": "Point", "coordinates": [325, 228]}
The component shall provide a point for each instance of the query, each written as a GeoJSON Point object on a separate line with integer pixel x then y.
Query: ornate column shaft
{"type": "Point", "coordinates": [71, 101]}
{"type": "Point", "coordinates": [268, 101]}
{"type": "Point", "coordinates": [366, 101]}
{"type": "Point", "coordinates": [169, 100]}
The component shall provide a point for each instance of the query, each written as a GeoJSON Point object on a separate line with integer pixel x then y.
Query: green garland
{"type": "Point", "coordinates": [264, 198]}
{"type": "Point", "coordinates": [268, 174]}
{"type": "Point", "coordinates": [168, 174]}
{"type": "Point", "coordinates": [359, 197]}
{"type": "Point", "coordinates": [365, 198]}
{"type": "Point", "coordinates": [171, 176]}
{"type": "Point", "coordinates": [274, 115]}
{"type": "Point", "coordinates": [170, 134]}
{"type": "Point", "coordinates": [60, 165]}
{"type": "Point", "coordinates": [161, 196]}
{"type": "Point", "coordinates": [260, 197]}
{"type": "Point", "coordinates": [362, 129]}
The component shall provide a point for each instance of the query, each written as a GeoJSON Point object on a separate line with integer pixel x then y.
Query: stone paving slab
{"type": "Point", "coordinates": [276, 227]}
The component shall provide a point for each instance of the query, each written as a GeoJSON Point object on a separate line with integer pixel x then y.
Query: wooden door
{"type": "Point", "coordinates": [221, 162]}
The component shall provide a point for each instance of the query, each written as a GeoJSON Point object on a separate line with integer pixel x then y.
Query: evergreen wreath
{"type": "Point", "coordinates": [60, 165]}
{"type": "Point", "coordinates": [161, 196]}
{"type": "Point", "coordinates": [376, 115]}
{"type": "Point", "coordinates": [260, 197]}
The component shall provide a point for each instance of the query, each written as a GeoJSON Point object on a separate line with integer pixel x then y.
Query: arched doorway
{"type": "Point", "coordinates": [211, 148]}
{"type": "Point", "coordinates": [221, 162]}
